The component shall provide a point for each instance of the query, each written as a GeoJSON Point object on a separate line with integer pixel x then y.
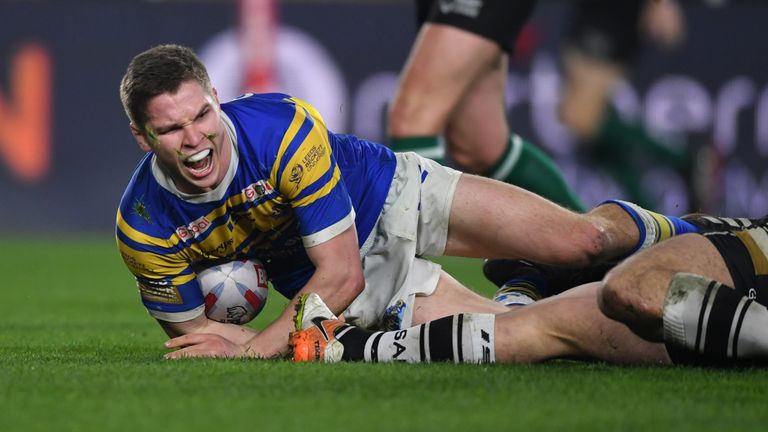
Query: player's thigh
{"type": "Point", "coordinates": [640, 283]}
{"type": "Point", "coordinates": [570, 326]}
{"type": "Point", "coordinates": [477, 132]}
{"type": "Point", "coordinates": [588, 85]}
{"type": "Point", "coordinates": [449, 298]}
{"type": "Point", "coordinates": [442, 66]}
{"type": "Point", "coordinates": [493, 219]}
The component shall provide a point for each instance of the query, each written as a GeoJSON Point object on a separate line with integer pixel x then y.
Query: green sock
{"type": "Point", "coordinates": [431, 147]}
{"type": "Point", "coordinates": [632, 138]}
{"type": "Point", "coordinates": [618, 147]}
{"type": "Point", "coordinates": [525, 165]}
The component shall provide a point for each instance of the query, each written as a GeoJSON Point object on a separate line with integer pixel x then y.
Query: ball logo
{"type": "Point", "coordinates": [194, 229]}
{"type": "Point", "coordinates": [235, 314]}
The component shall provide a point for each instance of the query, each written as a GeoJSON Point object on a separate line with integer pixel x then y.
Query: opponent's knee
{"type": "Point", "coordinates": [609, 296]}
{"type": "Point", "coordinates": [619, 298]}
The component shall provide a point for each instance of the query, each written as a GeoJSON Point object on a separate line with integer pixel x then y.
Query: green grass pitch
{"type": "Point", "coordinates": [79, 353]}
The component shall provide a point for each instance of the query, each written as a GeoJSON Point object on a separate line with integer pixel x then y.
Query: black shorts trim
{"type": "Point", "coordinates": [745, 262]}
{"type": "Point", "coordinates": [497, 20]}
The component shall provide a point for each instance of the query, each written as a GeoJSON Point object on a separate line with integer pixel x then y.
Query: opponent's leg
{"type": "Point", "coordinates": [634, 291]}
{"type": "Point", "coordinates": [444, 63]}
{"type": "Point", "coordinates": [680, 292]}
{"type": "Point", "coordinates": [452, 89]}
{"type": "Point", "coordinates": [479, 142]}
{"type": "Point", "coordinates": [570, 325]}
{"type": "Point", "coordinates": [713, 322]}
{"type": "Point", "coordinates": [562, 326]}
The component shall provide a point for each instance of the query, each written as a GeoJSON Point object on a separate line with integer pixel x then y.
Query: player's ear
{"type": "Point", "coordinates": [215, 95]}
{"type": "Point", "coordinates": [141, 140]}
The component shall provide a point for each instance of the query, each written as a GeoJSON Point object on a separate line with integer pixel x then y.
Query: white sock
{"type": "Point", "coordinates": [462, 338]}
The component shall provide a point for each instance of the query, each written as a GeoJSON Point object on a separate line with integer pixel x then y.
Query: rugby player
{"type": "Point", "coordinates": [450, 97]}
{"type": "Point", "coordinates": [348, 219]}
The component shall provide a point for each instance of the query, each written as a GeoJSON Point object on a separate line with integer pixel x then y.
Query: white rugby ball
{"type": "Point", "coordinates": [235, 291]}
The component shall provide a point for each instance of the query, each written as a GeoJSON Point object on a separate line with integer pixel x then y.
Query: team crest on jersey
{"type": "Point", "coordinates": [194, 229]}
{"type": "Point", "coordinates": [297, 172]}
{"type": "Point", "coordinates": [140, 209]}
{"type": "Point", "coordinates": [158, 291]}
{"type": "Point", "coordinates": [255, 191]}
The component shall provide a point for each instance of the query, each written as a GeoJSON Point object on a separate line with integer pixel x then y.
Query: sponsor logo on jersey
{"type": "Point", "coordinates": [256, 191]}
{"type": "Point", "coordinates": [133, 263]}
{"type": "Point", "coordinates": [221, 250]}
{"type": "Point", "coordinates": [194, 229]}
{"type": "Point", "coordinates": [313, 156]}
{"type": "Point", "coordinates": [158, 291]}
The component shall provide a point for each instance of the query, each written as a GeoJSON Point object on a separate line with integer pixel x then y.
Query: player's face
{"type": "Point", "coordinates": [187, 134]}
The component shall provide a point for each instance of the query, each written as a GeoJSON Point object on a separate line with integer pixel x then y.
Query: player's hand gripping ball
{"type": "Point", "coordinates": [235, 291]}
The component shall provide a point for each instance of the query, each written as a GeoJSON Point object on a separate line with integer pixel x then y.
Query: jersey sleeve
{"type": "Point", "coordinates": [166, 282]}
{"type": "Point", "coordinates": [308, 176]}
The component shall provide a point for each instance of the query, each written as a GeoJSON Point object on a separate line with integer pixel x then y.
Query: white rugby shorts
{"type": "Point", "coordinates": [413, 223]}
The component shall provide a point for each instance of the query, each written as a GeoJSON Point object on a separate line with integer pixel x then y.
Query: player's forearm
{"type": "Point", "coordinates": [235, 333]}
{"type": "Point", "coordinates": [232, 332]}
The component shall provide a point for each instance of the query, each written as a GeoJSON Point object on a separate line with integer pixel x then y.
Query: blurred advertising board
{"type": "Point", "coordinates": [66, 152]}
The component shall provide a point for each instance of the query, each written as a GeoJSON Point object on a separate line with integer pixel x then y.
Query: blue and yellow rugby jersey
{"type": "Point", "coordinates": [291, 184]}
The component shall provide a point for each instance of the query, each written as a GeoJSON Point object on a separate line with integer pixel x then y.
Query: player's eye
{"type": "Point", "coordinates": [168, 131]}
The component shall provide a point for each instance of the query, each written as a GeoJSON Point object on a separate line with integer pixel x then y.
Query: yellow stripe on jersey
{"type": "Point", "coordinates": [325, 190]}
{"type": "Point", "coordinates": [143, 238]}
{"type": "Point", "coordinates": [310, 162]}
{"type": "Point", "coordinates": [312, 111]}
{"type": "Point", "coordinates": [220, 242]}
{"type": "Point", "coordinates": [299, 117]}
{"type": "Point", "coordinates": [151, 264]}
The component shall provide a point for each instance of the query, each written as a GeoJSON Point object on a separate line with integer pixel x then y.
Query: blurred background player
{"type": "Point", "coordinates": [604, 38]}
{"type": "Point", "coordinates": [451, 96]}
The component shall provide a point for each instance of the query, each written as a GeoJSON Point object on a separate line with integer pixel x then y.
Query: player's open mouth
{"type": "Point", "coordinates": [199, 164]}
